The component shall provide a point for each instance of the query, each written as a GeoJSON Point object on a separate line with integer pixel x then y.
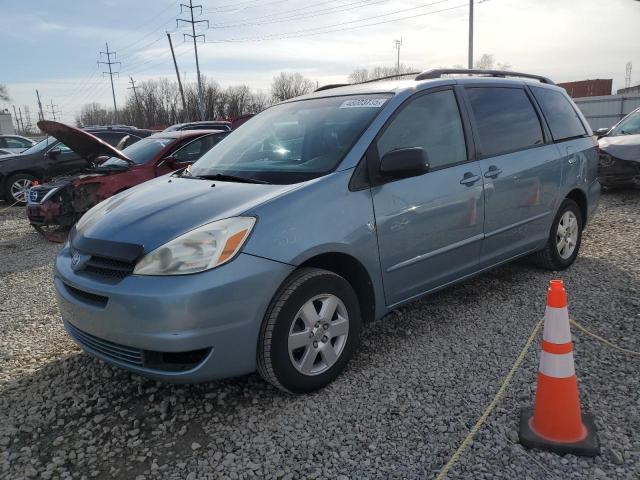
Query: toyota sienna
{"type": "Point", "coordinates": [322, 213]}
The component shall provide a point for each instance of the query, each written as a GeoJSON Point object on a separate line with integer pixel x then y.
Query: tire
{"type": "Point", "coordinates": [287, 324]}
{"type": "Point", "coordinates": [16, 183]}
{"type": "Point", "coordinates": [552, 257]}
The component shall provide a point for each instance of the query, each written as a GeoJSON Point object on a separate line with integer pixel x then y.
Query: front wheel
{"type": "Point", "coordinates": [564, 240]}
{"type": "Point", "coordinates": [17, 188]}
{"type": "Point", "coordinates": [310, 331]}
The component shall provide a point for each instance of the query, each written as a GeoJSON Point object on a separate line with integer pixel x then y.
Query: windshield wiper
{"type": "Point", "coordinates": [231, 178]}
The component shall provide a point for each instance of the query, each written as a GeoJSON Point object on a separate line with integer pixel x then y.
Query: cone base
{"type": "Point", "coordinates": [589, 447]}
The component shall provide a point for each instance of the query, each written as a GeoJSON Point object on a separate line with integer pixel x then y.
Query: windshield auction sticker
{"type": "Point", "coordinates": [364, 103]}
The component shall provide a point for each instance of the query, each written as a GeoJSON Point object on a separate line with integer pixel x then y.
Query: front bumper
{"type": "Point", "coordinates": [44, 214]}
{"type": "Point", "coordinates": [132, 322]}
{"type": "Point", "coordinates": [615, 172]}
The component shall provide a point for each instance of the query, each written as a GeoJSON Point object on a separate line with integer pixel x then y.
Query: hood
{"type": "Point", "coordinates": [83, 143]}
{"type": "Point", "coordinates": [624, 147]}
{"type": "Point", "coordinates": [159, 210]}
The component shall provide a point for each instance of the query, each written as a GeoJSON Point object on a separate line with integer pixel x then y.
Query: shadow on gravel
{"type": "Point", "coordinates": [422, 377]}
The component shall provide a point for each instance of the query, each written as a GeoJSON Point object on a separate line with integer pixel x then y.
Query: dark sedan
{"type": "Point", "coordinates": [50, 158]}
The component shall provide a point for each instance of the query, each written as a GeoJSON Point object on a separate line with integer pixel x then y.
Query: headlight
{"type": "Point", "coordinates": [201, 249]}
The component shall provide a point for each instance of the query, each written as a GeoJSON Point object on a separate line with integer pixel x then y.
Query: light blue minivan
{"type": "Point", "coordinates": [322, 213]}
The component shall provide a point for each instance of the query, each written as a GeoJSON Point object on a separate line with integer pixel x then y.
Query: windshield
{"type": "Point", "coordinates": [140, 152]}
{"type": "Point", "coordinates": [41, 145]}
{"type": "Point", "coordinates": [629, 125]}
{"type": "Point", "coordinates": [293, 142]}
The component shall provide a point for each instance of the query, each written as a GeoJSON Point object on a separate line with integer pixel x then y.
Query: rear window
{"type": "Point", "coordinates": [505, 118]}
{"type": "Point", "coordinates": [563, 120]}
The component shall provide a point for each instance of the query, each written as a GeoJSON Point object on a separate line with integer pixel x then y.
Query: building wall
{"type": "Point", "coordinates": [588, 88]}
{"type": "Point", "coordinates": [607, 110]}
{"type": "Point", "coordinates": [6, 124]}
{"type": "Point", "coordinates": [630, 90]}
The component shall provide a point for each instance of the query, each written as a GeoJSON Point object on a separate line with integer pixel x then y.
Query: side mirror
{"type": "Point", "coordinates": [601, 132]}
{"type": "Point", "coordinates": [404, 163]}
{"type": "Point", "coordinates": [54, 152]}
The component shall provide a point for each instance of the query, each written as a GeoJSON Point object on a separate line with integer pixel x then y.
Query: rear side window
{"type": "Point", "coordinates": [560, 114]}
{"type": "Point", "coordinates": [432, 122]}
{"type": "Point", "coordinates": [505, 118]}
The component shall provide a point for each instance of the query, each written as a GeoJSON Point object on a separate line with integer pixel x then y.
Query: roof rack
{"type": "Point", "coordinates": [438, 73]}
{"type": "Point", "coordinates": [336, 85]}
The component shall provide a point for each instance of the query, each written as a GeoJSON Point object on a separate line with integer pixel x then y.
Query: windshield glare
{"type": "Point", "coordinates": [293, 142]}
{"type": "Point", "coordinates": [40, 146]}
{"type": "Point", "coordinates": [628, 126]}
{"type": "Point", "coordinates": [140, 152]}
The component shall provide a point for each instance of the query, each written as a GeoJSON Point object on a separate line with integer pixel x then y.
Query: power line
{"type": "Point", "coordinates": [301, 16]}
{"type": "Point", "coordinates": [193, 35]}
{"type": "Point", "coordinates": [330, 28]}
{"type": "Point", "coordinates": [111, 73]}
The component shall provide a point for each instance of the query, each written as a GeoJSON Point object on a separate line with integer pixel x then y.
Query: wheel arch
{"type": "Point", "coordinates": [354, 272]}
{"type": "Point", "coordinates": [580, 198]}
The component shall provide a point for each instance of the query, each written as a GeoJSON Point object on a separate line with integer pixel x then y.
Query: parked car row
{"type": "Point", "coordinates": [322, 213]}
{"type": "Point", "coordinates": [64, 200]}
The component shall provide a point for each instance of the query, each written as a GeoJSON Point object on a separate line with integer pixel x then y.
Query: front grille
{"type": "Point", "coordinates": [114, 351]}
{"type": "Point", "coordinates": [34, 215]}
{"type": "Point", "coordinates": [91, 298]}
{"type": "Point", "coordinates": [109, 267]}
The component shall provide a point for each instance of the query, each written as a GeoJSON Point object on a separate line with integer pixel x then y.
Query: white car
{"type": "Point", "coordinates": [15, 143]}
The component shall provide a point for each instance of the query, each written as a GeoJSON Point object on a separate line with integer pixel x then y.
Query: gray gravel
{"type": "Point", "coordinates": [423, 376]}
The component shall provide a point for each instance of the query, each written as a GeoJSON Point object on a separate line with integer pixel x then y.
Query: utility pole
{"type": "Point", "coordinates": [397, 44]}
{"type": "Point", "coordinates": [627, 77]}
{"type": "Point", "coordinates": [175, 64]}
{"type": "Point", "coordinates": [111, 73]}
{"type": "Point", "coordinates": [21, 122]}
{"type": "Point", "coordinates": [53, 109]}
{"type": "Point", "coordinates": [40, 113]}
{"type": "Point", "coordinates": [17, 119]}
{"type": "Point", "coordinates": [133, 87]}
{"type": "Point", "coordinates": [470, 34]}
{"type": "Point", "coordinates": [193, 35]}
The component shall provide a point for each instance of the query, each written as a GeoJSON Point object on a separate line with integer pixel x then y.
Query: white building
{"type": "Point", "coordinates": [6, 124]}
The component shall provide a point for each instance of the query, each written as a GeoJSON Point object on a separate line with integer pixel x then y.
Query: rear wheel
{"type": "Point", "coordinates": [17, 188]}
{"type": "Point", "coordinates": [309, 332]}
{"type": "Point", "coordinates": [564, 240]}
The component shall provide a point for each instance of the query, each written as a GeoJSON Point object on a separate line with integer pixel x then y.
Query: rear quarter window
{"type": "Point", "coordinates": [561, 116]}
{"type": "Point", "coordinates": [505, 118]}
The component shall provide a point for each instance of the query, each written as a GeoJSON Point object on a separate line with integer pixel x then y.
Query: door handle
{"type": "Point", "coordinates": [572, 156]}
{"type": "Point", "coordinates": [469, 179]}
{"type": "Point", "coordinates": [493, 172]}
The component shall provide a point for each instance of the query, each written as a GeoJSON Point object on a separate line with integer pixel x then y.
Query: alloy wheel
{"type": "Point", "coordinates": [567, 234]}
{"type": "Point", "coordinates": [20, 189]}
{"type": "Point", "coordinates": [318, 334]}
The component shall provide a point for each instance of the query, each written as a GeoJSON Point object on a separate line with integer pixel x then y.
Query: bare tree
{"type": "Point", "coordinates": [289, 85]}
{"type": "Point", "coordinates": [487, 62]}
{"type": "Point", "coordinates": [4, 93]}
{"type": "Point", "coordinates": [159, 105]}
{"type": "Point", "coordinates": [363, 75]}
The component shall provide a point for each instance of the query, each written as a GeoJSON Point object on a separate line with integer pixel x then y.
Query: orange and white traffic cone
{"type": "Point", "coordinates": [556, 422]}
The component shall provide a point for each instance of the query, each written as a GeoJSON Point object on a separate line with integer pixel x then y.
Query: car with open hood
{"type": "Point", "coordinates": [51, 157]}
{"type": "Point", "coordinates": [619, 164]}
{"type": "Point", "coordinates": [322, 213]}
{"type": "Point", "coordinates": [63, 200]}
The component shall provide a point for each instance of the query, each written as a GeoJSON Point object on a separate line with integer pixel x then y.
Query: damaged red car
{"type": "Point", "coordinates": [63, 200]}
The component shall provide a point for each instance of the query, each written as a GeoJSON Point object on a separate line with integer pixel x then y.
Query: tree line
{"type": "Point", "coordinates": [157, 103]}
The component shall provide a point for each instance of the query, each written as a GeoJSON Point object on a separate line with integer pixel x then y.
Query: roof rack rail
{"type": "Point", "coordinates": [336, 85]}
{"type": "Point", "coordinates": [438, 73]}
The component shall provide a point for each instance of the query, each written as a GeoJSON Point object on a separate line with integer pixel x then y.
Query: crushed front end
{"type": "Point", "coordinates": [614, 172]}
{"type": "Point", "coordinates": [61, 202]}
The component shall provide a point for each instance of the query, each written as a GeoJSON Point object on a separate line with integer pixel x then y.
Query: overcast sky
{"type": "Point", "coordinates": [54, 45]}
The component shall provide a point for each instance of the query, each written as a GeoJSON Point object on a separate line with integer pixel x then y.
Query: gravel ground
{"type": "Point", "coordinates": [422, 378]}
